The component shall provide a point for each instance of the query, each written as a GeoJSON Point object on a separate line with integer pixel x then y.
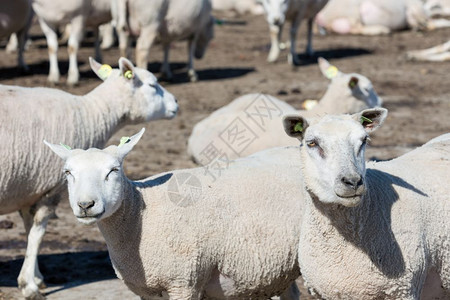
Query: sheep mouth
{"type": "Point", "coordinates": [349, 200]}
{"type": "Point", "coordinates": [89, 219]}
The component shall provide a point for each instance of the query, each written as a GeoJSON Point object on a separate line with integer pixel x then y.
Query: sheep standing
{"type": "Point", "coordinates": [380, 232]}
{"type": "Point", "coordinates": [30, 182]}
{"type": "Point", "coordinates": [79, 14]}
{"type": "Point", "coordinates": [190, 236]}
{"type": "Point", "coordinates": [15, 17]}
{"type": "Point", "coordinates": [294, 11]}
{"type": "Point", "coordinates": [165, 21]}
{"type": "Point", "coordinates": [253, 122]}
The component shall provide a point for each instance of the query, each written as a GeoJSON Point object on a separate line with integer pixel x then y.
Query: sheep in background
{"type": "Point", "coordinates": [79, 14]}
{"type": "Point", "coordinates": [252, 122]}
{"type": "Point", "coordinates": [30, 181]}
{"type": "Point", "coordinates": [239, 6]}
{"type": "Point", "coordinates": [165, 21]}
{"type": "Point", "coordinates": [186, 234]}
{"type": "Point", "coordinates": [15, 19]}
{"type": "Point", "coordinates": [294, 11]}
{"type": "Point", "coordinates": [375, 232]}
{"type": "Point", "coordinates": [437, 53]}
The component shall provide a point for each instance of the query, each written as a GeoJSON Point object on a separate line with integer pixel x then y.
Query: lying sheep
{"type": "Point", "coordinates": [166, 21]}
{"type": "Point", "coordinates": [253, 122]}
{"type": "Point", "coordinates": [375, 232]}
{"type": "Point", "coordinates": [294, 11]}
{"type": "Point", "coordinates": [79, 14]}
{"type": "Point", "coordinates": [373, 17]}
{"type": "Point", "coordinates": [239, 6]}
{"type": "Point", "coordinates": [15, 18]}
{"type": "Point", "coordinates": [183, 234]}
{"type": "Point", "coordinates": [30, 182]}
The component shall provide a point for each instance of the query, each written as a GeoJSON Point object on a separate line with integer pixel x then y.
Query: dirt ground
{"type": "Point", "coordinates": [73, 257]}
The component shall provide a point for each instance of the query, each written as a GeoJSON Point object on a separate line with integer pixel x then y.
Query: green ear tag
{"type": "Point", "coordinates": [352, 84]}
{"type": "Point", "coordinates": [364, 119]}
{"type": "Point", "coordinates": [65, 146]}
{"type": "Point", "coordinates": [331, 72]}
{"type": "Point", "coordinates": [128, 74]}
{"type": "Point", "coordinates": [298, 127]}
{"type": "Point", "coordinates": [104, 71]}
{"type": "Point", "coordinates": [124, 140]}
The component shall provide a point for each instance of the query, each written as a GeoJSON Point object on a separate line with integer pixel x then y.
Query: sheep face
{"type": "Point", "coordinates": [333, 154]}
{"type": "Point", "coordinates": [95, 178]}
{"type": "Point", "coordinates": [275, 11]}
{"type": "Point", "coordinates": [94, 182]}
{"type": "Point", "coordinates": [361, 88]}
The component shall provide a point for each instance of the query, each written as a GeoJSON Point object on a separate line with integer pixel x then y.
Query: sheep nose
{"type": "Point", "coordinates": [353, 182]}
{"type": "Point", "coordinates": [86, 204]}
{"type": "Point", "coordinates": [277, 21]}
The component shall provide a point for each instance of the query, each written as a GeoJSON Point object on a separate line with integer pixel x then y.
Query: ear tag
{"type": "Point", "coordinates": [298, 127]}
{"type": "Point", "coordinates": [128, 74]}
{"type": "Point", "coordinates": [124, 140]}
{"type": "Point", "coordinates": [331, 72]}
{"type": "Point", "coordinates": [65, 146]}
{"type": "Point", "coordinates": [104, 71]}
{"type": "Point", "coordinates": [364, 119]}
{"type": "Point", "coordinates": [352, 84]}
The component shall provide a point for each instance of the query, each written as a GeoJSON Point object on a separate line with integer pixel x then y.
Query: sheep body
{"type": "Point", "coordinates": [260, 116]}
{"type": "Point", "coordinates": [389, 238]}
{"type": "Point", "coordinates": [191, 235]}
{"type": "Point", "coordinates": [31, 181]}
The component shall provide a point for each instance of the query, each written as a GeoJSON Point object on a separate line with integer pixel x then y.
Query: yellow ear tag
{"type": "Point", "coordinates": [331, 72]}
{"type": "Point", "coordinates": [104, 71]}
{"type": "Point", "coordinates": [124, 140]}
{"type": "Point", "coordinates": [128, 74]}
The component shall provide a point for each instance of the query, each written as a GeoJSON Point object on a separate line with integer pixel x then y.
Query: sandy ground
{"type": "Point", "coordinates": [73, 257]}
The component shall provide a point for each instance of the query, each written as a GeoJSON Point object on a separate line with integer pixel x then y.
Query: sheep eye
{"type": "Point", "coordinates": [67, 172]}
{"type": "Point", "coordinates": [311, 144]}
{"type": "Point", "coordinates": [112, 170]}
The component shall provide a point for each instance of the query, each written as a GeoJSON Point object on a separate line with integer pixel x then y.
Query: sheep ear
{"type": "Point", "coordinates": [127, 143]}
{"type": "Point", "coordinates": [127, 69]}
{"type": "Point", "coordinates": [327, 69]}
{"type": "Point", "coordinates": [371, 118]}
{"type": "Point", "coordinates": [295, 126]}
{"type": "Point", "coordinates": [102, 71]}
{"type": "Point", "coordinates": [62, 150]}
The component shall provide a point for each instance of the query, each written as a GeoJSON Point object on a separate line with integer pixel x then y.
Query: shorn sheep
{"type": "Point", "coordinates": [294, 11]}
{"type": "Point", "coordinates": [375, 232]}
{"type": "Point", "coordinates": [253, 122]}
{"type": "Point", "coordinates": [165, 21]}
{"type": "Point", "coordinates": [30, 181]}
{"type": "Point", "coordinates": [188, 235]}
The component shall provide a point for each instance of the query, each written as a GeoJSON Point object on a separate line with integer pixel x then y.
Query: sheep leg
{"type": "Point", "coordinates": [309, 47]}
{"type": "Point", "coordinates": [76, 35]}
{"type": "Point", "coordinates": [438, 53]}
{"type": "Point", "coordinates": [292, 293]}
{"type": "Point", "coordinates": [437, 23]}
{"type": "Point", "coordinates": [12, 44]}
{"type": "Point", "coordinates": [165, 67]}
{"type": "Point", "coordinates": [191, 49]}
{"type": "Point", "coordinates": [292, 56]}
{"type": "Point", "coordinates": [186, 293]}
{"type": "Point", "coordinates": [52, 45]}
{"type": "Point", "coordinates": [124, 43]}
{"type": "Point", "coordinates": [107, 36]}
{"type": "Point", "coordinates": [275, 37]}
{"type": "Point", "coordinates": [98, 53]}
{"type": "Point", "coordinates": [22, 39]}
{"type": "Point", "coordinates": [144, 42]}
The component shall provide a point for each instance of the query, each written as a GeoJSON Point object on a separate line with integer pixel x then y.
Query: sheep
{"type": "Point", "coordinates": [15, 19]}
{"type": "Point", "coordinates": [183, 233]}
{"type": "Point", "coordinates": [29, 181]}
{"type": "Point", "coordinates": [379, 231]}
{"type": "Point", "coordinates": [79, 14]}
{"type": "Point", "coordinates": [369, 17]}
{"type": "Point", "coordinates": [257, 117]}
{"type": "Point", "coordinates": [166, 21]}
{"type": "Point", "coordinates": [294, 11]}
{"type": "Point", "coordinates": [239, 6]}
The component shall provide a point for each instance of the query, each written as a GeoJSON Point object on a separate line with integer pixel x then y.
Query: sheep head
{"type": "Point", "coordinates": [95, 178]}
{"type": "Point", "coordinates": [333, 153]}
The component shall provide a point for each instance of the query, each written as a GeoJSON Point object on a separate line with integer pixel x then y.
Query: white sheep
{"type": "Point", "coordinates": [165, 21]}
{"type": "Point", "coordinates": [252, 122]}
{"type": "Point", "coordinates": [30, 181]}
{"type": "Point", "coordinates": [15, 18]}
{"type": "Point", "coordinates": [184, 233]}
{"type": "Point", "coordinates": [294, 11]}
{"type": "Point", "coordinates": [375, 232]}
{"type": "Point", "coordinates": [374, 17]}
{"type": "Point", "coordinates": [436, 53]}
{"type": "Point", "coordinates": [79, 14]}
{"type": "Point", "coordinates": [239, 6]}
